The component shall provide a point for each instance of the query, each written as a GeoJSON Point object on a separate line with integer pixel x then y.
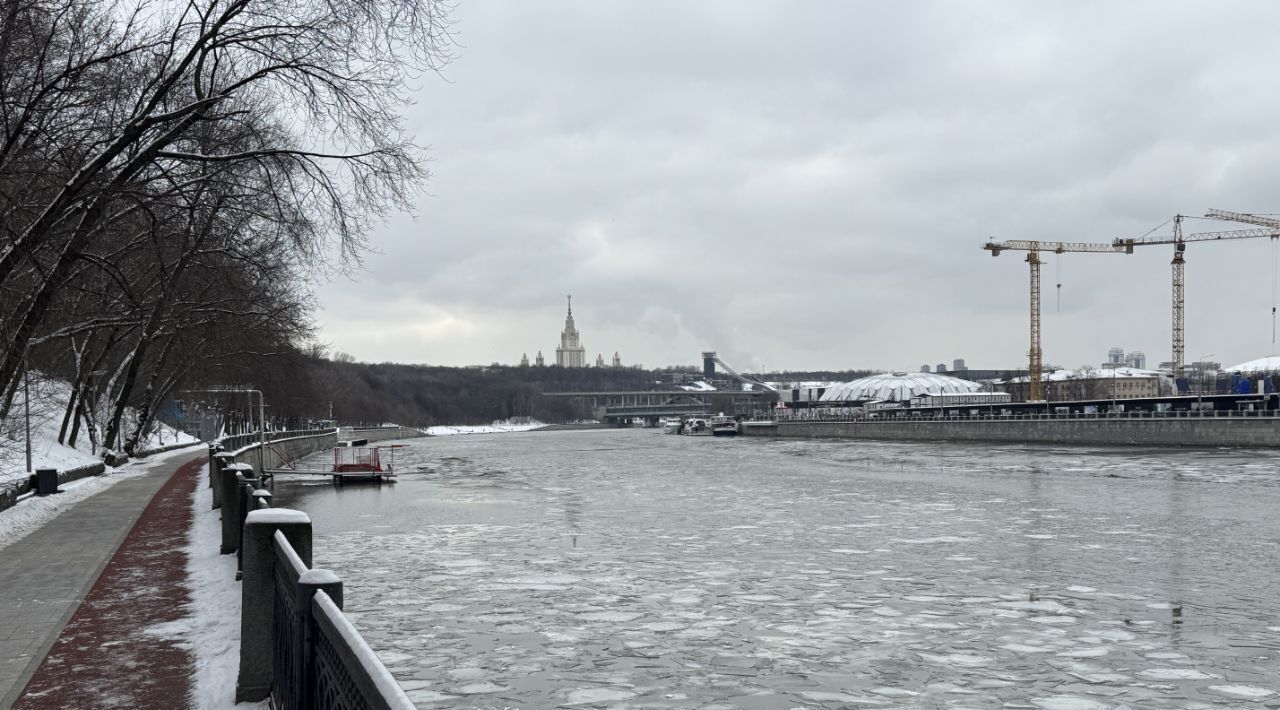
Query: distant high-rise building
{"type": "Point", "coordinates": [924, 368]}
{"type": "Point", "coordinates": [617, 361]}
{"type": "Point", "coordinates": [1136, 359]}
{"type": "Point", "coordinates": [958, 365]}
{"type": "Point", "coordinates": [599, 360]}
{"type": "Point", "coordinates": [524, 359]}
{"type": "Point", "coordinates": [941, 368]}
{"type": "Point", "coordinates": [1115, 356]}
{"type": "Point", "coordinates": [570, 353]}
{"type": "Point", "coordinates": [538, 361]}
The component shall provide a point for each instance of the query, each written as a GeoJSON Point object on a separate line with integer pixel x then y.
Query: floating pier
{"type": "Point", "coordinates": [351, 464]}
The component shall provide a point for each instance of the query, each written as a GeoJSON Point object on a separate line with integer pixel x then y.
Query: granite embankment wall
{"type": "Point", "coordinates": [379, 433]}
{"type": "Point", "coordinates": [282, 451]}
{"type": "Point", "coordinates": [1157, 431]}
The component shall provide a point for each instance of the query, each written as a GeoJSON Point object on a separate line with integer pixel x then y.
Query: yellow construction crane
{"type": "Point", "coordinates": [1270, 228]}
{"type": "Point", "coordinates": [1033, 249]}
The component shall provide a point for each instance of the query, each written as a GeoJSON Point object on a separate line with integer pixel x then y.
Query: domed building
{"type": "Point", "coordinates": [897, 387]}
{"type": "Point", "coordinates": [1264, 365]}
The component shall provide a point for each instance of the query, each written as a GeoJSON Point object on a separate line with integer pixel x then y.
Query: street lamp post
{"type": "Point", "coordinates": [26, 405]}
{"type": "Point", "coordinates": [262, 415]}
{"type": "Point", "coordinates": [1200, 390]}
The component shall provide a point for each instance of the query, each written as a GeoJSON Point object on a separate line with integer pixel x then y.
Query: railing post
{"type": "Point", "coordinates": [246, 483]}
{"type": "Point", "coordinates": [214, 448]}
{"type": "Point", "coordinates": [257, 594]}
{"type": "Point", "coordinates": [303, 673]}
{"type": "Point", "coordinates": [231, 515]}
{"type": "Point", "coordinates": [261, 499]}
{"type": "Point", "coordinates": [221, 460]}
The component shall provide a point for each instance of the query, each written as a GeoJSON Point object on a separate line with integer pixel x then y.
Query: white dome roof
{"type": "Point", "coordinates": [1262, 364]}
{"type": "Point", "coordinates": [897, 387]}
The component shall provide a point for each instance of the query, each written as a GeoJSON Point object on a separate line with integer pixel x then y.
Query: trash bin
{"type": "Point", "coordinates": [46, 481]}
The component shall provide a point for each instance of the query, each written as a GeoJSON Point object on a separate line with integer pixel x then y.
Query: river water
{"type": "Point", "coordinates": [635, 570]}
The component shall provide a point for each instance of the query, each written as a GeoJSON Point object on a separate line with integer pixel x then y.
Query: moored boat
{"type": "Point", "coordinates": [724, 426]}
{"type": "Point", "coordinates": [696, 426]}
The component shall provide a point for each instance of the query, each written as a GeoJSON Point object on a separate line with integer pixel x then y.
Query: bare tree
{"type": "Point", "coordinates": [141, 146]}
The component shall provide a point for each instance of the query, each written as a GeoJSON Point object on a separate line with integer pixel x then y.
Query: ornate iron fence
{"type": "Point", "coordinates": [317, 657]}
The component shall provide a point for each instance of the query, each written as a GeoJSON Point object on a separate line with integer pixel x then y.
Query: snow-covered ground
{"type": "Point", "coordinates": [212, 627]}
{"type": "Point", "coordinates": [48, 403]}
{"type": "Point", "coordinates": [498, 427]}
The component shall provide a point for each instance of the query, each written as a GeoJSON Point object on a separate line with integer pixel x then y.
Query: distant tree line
{"type": "Point", "coordinates": [302, 388]}
{"type": "Point", "coordinates": [172, 176]}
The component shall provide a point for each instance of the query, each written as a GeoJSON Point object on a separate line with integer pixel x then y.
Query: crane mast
{"type": "Point", "coordinates": [1179, 299]}
{"type": "Point", "coordinates": [1035, 359]}
{"type": "Point", "coordinates": [1035, 362]}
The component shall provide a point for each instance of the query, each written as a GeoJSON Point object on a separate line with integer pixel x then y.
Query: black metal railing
{"type": "Point", "coordinates": [318, 658]}
{"type": "Point", "coordinates": [347, 673]}
{"type": "Point", "coordinates": [286, 572]}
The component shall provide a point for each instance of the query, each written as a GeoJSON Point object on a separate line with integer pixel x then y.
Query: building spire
{"type": "Point", "coordinates": [570, 297]}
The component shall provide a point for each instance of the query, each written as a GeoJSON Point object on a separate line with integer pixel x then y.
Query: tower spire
{"type": "Point", "coordinates": [570, 297]}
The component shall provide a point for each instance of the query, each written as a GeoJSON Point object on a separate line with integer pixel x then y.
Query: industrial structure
{"type": "Point", "coordinates": [1179, 241]}
{"type": "Point", "coordinates": [1033, 249]}
{"type": "Point", "coordinates": [1268, 227]}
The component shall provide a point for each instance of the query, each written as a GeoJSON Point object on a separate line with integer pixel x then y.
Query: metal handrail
{"type": "Point", "coordinates": [357, 661]}
{"type": "Point", "coordinates": [318, 653]}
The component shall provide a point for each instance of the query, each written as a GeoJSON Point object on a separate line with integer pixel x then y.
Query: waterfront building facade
{"type": "Point", "coordinates": [1118, 382]}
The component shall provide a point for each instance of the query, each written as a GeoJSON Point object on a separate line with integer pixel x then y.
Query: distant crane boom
{"type": "Point", "coordinates": [1243, 218]}
{"type": "Point", "coordinates": [1033, 248]}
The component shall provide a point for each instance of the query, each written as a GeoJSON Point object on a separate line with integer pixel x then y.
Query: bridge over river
{"type": "Point", "coordinates": [621, 407]}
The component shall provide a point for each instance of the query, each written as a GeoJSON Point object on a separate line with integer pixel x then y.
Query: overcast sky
{"type": "Point", "coordinates": [808, 185]}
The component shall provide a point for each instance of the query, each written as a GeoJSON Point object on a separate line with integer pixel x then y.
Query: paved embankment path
{"type": "Point", "coordinates": [80, 592]}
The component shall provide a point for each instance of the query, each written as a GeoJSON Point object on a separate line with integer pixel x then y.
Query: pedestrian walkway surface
{"type": "Point", "coordinates": [82, 591]}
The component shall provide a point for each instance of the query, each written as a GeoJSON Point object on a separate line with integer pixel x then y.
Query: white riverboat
{"type": "Point", "coordinates": [724, 426]}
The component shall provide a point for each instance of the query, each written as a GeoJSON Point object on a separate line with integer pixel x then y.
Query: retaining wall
{"type": "Point", "coordinates": [1172, 431]}
{"type": "Point", "coordinates": [10, 493]}
{"type": "Point", "coordinates": [379, 433]}
{"type": "Point", "coordinates": [283, 451]}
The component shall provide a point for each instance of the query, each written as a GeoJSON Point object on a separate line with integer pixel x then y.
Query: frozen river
{"type": "Point", "coordinates": [630, 569]}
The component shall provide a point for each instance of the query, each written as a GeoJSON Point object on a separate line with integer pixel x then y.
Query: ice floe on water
{"type": "Point", "coordinates": [630, 570]}
{"type": "Point", "coordinates": [1246, 692]}
{"type": "Point", "coordinates": [1175, 674]}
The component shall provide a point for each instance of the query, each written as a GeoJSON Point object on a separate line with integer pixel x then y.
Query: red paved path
{"type": "Point", "coordinates": [105, 657]}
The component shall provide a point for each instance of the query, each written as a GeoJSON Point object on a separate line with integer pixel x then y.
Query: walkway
{"type": "Point", "coordinates": [127, 577]}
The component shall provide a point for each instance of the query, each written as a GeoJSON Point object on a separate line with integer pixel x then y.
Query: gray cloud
{"type": "Point", "coordinates": [808, 185]}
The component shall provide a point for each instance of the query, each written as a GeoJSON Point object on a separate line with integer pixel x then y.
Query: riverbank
{"type": "Point", "coordinates": [1240, 431]}
{"type": "Point", "coordinates": [494, 428]}
{"type": "Point", "coordinates": [593, 426]}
